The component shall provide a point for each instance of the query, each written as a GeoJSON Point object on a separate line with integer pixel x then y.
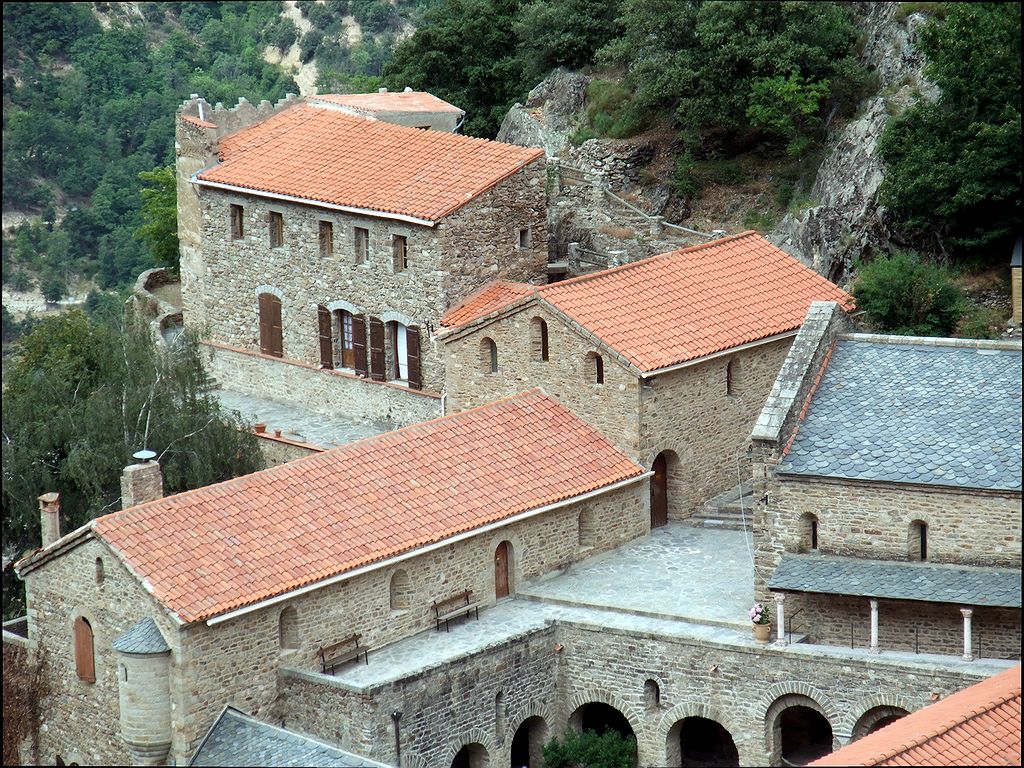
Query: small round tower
{"type": "Point", "coordinates": [144, 690]}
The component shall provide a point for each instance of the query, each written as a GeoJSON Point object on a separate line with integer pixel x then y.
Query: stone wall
{"type": "Point", "coordinates": [906, 626]}
{"type": "Point", "coordinates": [332, 393]}
{"type": "Point", "coordinates": [280, 450]}
{"type": "Point", "coordinates": [80, 719]}
{"type": "Point", "coordinates": [612, 408]}
{"type": "Point", "coordinates": [692, 413]}
{"type": "Point", "coordinates": [237, 661]}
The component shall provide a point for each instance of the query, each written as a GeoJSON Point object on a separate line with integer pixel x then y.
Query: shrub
{"type": "Point", "coordinates": [609, 750]}
{"type": "Point", "coordinates": [310, 42]}
{"type": "Point", "coordinates": [981, 322]}
{"type": "Point", "coordinates": [903, 295]}
{"type": "Point", "coordinates": [683, 182]}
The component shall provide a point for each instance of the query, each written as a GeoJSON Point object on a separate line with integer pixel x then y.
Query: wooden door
{"type": "Point", "coordinates": [501, 566]}
{"type": "Point", "coordinates": [659, 492]}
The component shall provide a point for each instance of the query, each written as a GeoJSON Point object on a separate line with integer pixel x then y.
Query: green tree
{"type": "Point", "coordinates": [609, 750]}
{"type": "Point", "coordinates": [953, 167]}
{"type": "Point", "coordinates": [83, 396]}
{"type": "Point", "coordinates": [566, 33]}
{"type": "Point", "coordinates": [903, 295]}
{"type": "Point", "coordinates": [159, 228]}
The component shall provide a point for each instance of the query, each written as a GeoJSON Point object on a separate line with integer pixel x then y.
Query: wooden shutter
{"type": "Point", "coordinates": [85, 662]}
{"type": "Point", "coordinates": [412, 346]}
{"type": "Point", "coordinates": [265, 313]}
{"type": "Point", "coordinates": [359, 344]}
{"type": "Point", "coordinates": [376, 349]}
{"type": "Point", "coordinates": [276, 330]}
{"type": "Point", "coordinates": [323, 319]}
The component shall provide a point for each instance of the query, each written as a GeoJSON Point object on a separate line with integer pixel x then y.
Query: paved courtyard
{"type": "Point", "coordinates": [297, 423]}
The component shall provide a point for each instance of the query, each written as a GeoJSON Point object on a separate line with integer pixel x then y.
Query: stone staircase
{"type": "Point", "coordinates": [727, 510]}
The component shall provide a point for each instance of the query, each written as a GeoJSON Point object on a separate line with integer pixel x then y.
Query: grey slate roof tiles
{"type": "Point", "coordinates": [926, 582]}
{"type": "Point", "coordinates": [236, 739]}
{"type": "Point", "coordinates": [914, 413]}
{"type": "Point", "coordinates": [141, 638]}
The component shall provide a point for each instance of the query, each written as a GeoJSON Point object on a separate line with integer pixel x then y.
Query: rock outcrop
{"type": "Point", "coordinates": [847, 220]}
{"type": "Point", "coordinates": [552, 112]}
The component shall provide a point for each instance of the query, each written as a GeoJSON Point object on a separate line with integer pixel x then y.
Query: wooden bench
{"type": "Point", "coordinates": [453, 607]}
{"type": "Point", "coordinates": [341, 652]}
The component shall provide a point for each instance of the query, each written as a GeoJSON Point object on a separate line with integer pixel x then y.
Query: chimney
{"type": "Point", "coordinates": [141, 482]}
{"type": "Point", "coordinates": [49, 517]}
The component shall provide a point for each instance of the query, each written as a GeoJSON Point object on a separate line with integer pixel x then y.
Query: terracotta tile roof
{"type": "Point", "coordinates": [209, 551]}
{"type": "Point", "coordinates": [681, 305]}
{"type": "Point", "coordinates": [196, 121]}
{"type": "Point", "coordinates": [491, 298]}
{"type": "Point", "coordinates": [979, 725]}
{"type": "Point", "coordinates": [333, 157]}
{"type": "Point", "coordinates": [392, 101]}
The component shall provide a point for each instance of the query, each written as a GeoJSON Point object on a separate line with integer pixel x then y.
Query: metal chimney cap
{"type": "Point", "coordinates": [144, 455]}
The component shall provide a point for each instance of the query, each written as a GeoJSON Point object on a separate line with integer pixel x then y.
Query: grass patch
{"type": "Point", "coordinates": [611, 113]}
{"type": "Point", "coordinates": [761, 221]}
{"type": "Point", "coordinates": [981, 322]}
{"type": "Point", "coordinates": [938, 10]}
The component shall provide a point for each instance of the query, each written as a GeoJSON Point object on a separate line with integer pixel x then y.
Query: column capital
{"type": "Point", "coordinates": [874, 604]}
{"type": "Point", "coordinates": [967, 612]}
{"type": "Point", "coordinates": [780, 597]}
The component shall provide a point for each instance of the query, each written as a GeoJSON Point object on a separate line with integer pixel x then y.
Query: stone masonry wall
{"type": "Point", "coordinates": [483, 698]}
{"type": "Point", "coordinates": [834, 619]}
{"type": "Point", "coordinates": [332, 393]}
{"type": "Point", "coordinates": [82, 720]}
{"type": "Point", "coordinates": [690, 413]}
{"type": "Point", "coordinates": [612, 408]}
{"type": "Point", "coordinates": [237, 661]}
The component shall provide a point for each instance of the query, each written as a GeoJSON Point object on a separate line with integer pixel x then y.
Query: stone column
{"type": "Point", "coordinates": [780, 618]}
{"type": "Point", "coordinates": [49, 517]}
{"type": "Point", "coordinates": [967, 613]}
{"type": "Point", "coordinates": [874, 627]}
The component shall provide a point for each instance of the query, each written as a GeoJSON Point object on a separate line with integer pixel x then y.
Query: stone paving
{"type": "Point", "coordinates": [299, 424]}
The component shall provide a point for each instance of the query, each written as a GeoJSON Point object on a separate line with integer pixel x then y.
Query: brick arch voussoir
{"type": "Point", "coordinates": [794, 687]}
{"type": "Point", "coordinates": [413, 760]}
{"type": "Point", "coordinates": [596, 696]}
{"type": "Point", "coordinates": [471, 736]}
{"type": "Point", "coordinates": [693, 709]}
{"type": "Point", "coordinates": [862, 707]}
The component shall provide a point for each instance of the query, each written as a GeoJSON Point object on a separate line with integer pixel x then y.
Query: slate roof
{"type": "Point", "coordinates": [390, 101]}
{"type": "Point", "coordinates": [143, 637]}
{"type": "Point", "coordinates": [979, 725]}
{"type": "Point", "coordinates": [325, 155]}
{"type": "Point", "coordinates": [894, 580]}
{"type": "Point", "coordinates": [915, 411]}
{"type": "Point", "coordinates": [214, 549]}
{"type": "Point", "coordinates": [682, 305]}
{"type": "Point", "coordinates": [236, 739]}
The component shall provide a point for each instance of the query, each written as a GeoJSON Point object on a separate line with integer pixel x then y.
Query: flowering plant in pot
{"type": "Point", "coordinates": [762, 622]}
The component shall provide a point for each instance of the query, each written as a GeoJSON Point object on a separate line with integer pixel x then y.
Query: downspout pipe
{"type": "Point", "coordinates": [396, 718]}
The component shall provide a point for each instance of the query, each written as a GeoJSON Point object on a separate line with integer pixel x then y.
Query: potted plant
{"type": "Point", "coordinates": [762, 623]}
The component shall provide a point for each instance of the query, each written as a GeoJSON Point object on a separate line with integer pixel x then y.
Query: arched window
{"type": "Point", "coordinates": [400, 591]}
{"type": "Point", "coordinates": [288, 629]}
{"type": "Point", "coordinates": [85, 659]}
{"type": "Point", "coordinates": [499, 714]}
{"type": "Point", "coordinates": [100, 574]}
{"type": "Point", "coordinates": [731, 372]}
{"type": "Point", "coordinates": [595, 368]}
{"type": "Point", "coordinates": [808, 533]}
{"type": "Point", "coordinates": [539, 339]}
{"type": "Point", "coordinates": [652, 695]}
{"type": "Point", "coordinates": [488, 355]}
{"type": "Point", "coordinates": [917, 541]}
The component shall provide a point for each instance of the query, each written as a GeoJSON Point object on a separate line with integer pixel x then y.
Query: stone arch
{"type": "Point", "coordinates": [857, 714]}
{"type": "Point", "coordinates": [348, 306]}
{"type": "Point", "coordinates": [471, 736]}
{"type": "Point", "coordinates": [788, 695]}
{"type": "Point", "coordinates": [269, 289]}
{"type": "Point", "coordinates": [593, 368]}
{"type": "Point", "coordinates": [732, 375]}
{"type": "Point", "coordinates": [665, 484]}
{"type": "Point", "coordinates": [917, 540]}
{"type": "Point", "coordinates": [539, 350]}
{"type": "Point", "coordinates": [413, 760]}
{"type": "Point", "coordinates": [517, 551]}
{"type": "Point", "coordinates": [399, 590]}
{"type": "Point", "coordinates": [682, 711]}
{"type": "Point", "coordinates": [527, 740]}
{"type": "Point", "coordinates": [652, 695]}
{"type": "Point", "coordinates": [588, 529]}
{"type": "Point", "coordinates": [710, 741]}
{"type": "Point", "coordinates": [100, 570]}
{"type": "Point", "coordinates": [488, 355]}
{"type": "Point", "coordinates": [500, 715]}
{"type": "Point", "coordinates": [596, 696]}
{"type": "Point", "coordinates": [809, 529]}
{"type": "Point", "coordinates": [288, 628]}
{"type": "Point", "coordinates": [524, 713]}
{"type": "Point", "coordinates": [397, 317]}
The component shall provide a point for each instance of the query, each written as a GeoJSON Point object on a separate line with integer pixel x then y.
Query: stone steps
{"type": "Point", "coordinates": [732, 510]}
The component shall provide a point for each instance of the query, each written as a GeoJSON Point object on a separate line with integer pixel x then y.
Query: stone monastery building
{"type": "Point", "coordinates": [530, 551]}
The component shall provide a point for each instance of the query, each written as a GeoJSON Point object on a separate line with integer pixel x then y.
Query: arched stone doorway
{"type": "Point", "coordinates": [471, 756]}
{"type": "Point", "coordinates": [528, 743]}
{"type": "Point", "coordinates": [659, 491]}
{"type": "Point", "coordinates": [698, 741]}
{"type": "Point", "coordinates": [601, 718]}
{"type": "Point", "coordinates": [802, 734]}
{"type": "Point", "coordinates": [875, 719]}
{"type": "Point", "coordinates": [503, 570]}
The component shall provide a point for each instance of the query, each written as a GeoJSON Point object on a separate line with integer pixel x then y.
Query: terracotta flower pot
{"type": "Point", "coordinates": [762, 632]}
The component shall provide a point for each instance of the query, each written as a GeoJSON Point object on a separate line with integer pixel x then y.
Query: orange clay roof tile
{"type": "Point", "coordinates": [391, 101]}
{"type": "Point", "coordinates": [979, 725]}
{"type": "Point", "coordinates": [681, 305]}
{"type": "Point", "coordinates": [332, 157]}
{"type": "Point", "coordinates": [218, 548]}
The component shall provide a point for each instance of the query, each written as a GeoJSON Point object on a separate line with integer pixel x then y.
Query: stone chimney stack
{"type": "Point", "coordinates": [141, 482]}
{"type": "Point", "coordinates": [49, 517]}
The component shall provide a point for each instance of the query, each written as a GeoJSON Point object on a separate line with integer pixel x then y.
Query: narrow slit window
{"type": "Point", "coordinates": [400, 252]}
{"type": "Point", "coordinates": [237, 218]}
{"type": "Point", "coordinates": [362, 244]}
{"type": "Point", "coordinates": [326, 238]}
{"type": "Point", "coordinates": [814, 535]}
{"type": "Point", "coordinates": [525, 240]}
{"type": "Point", "coordinates": [276, 221]}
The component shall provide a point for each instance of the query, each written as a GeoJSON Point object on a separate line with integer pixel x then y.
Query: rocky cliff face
{"type": "Point", "coordinates": [846, 219]}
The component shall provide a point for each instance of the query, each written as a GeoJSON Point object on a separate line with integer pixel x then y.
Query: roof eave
{"type": "Point", "coordinates": [720, 353]}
